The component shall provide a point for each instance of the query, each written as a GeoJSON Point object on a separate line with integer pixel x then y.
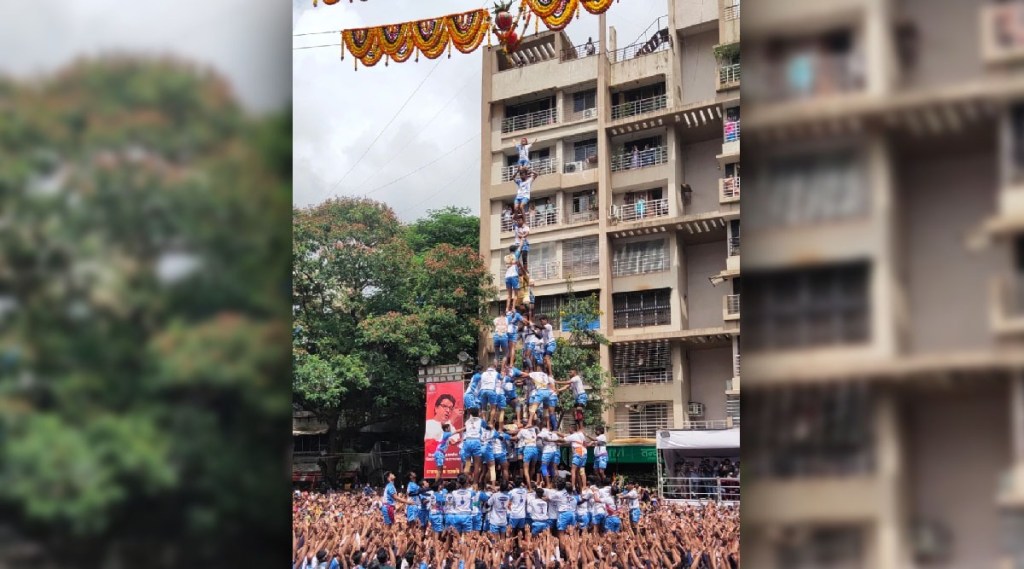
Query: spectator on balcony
{"type": "Point", "coordinates": [647, 157]}
{"type": "Point", "coordinates": [635, 161]}
{"type": "Point", "coordinates": [506, 218]}
{"type": "Point", "coordinates": [640, 207]}
{"type": "Point", "coordinates": [591, 50]}
{"type": "Point", "coordinates": [532, 217]}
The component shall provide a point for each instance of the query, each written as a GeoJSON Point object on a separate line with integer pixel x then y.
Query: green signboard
{"type": "Point", "coordinates": [639, 454]}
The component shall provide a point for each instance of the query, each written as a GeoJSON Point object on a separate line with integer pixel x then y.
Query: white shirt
{"type": "Point", "coordinates": [517, 503]}
{"type": "Point", "coordinates": [634, 499]}
{"type": "Point", "coordinates": [601, 449]}
{"type": "Point", "coordinates": [550, 441]}
{"type": "Point", "coordinates": [549, 333]}
{"type": "Point", "coordinates": [540, 379]}
{"type": "Point", "coordinates": [528, 436]}
{"type": "Point", "coordinates": [583, 506]}
{"type": "Point", "coordinates": [579, 441]}
{"type": "Point", "coordinates": [559, 501]}
{"type": "Point", "coordinates": [537, 507]}
{"type": "Point", "coordinates": [609, 505]}
{"type": "Point", "coordinates": [489, 380]}
{"type": "Point", "coordinates": [499, 509]}
{"type": "Point", "coordinates": [462, 502]}
{"type": "Point", "coordinates": [577, 385]}
{"type": "Point", "coordinates": [474, 428]}
{"type": "Point", "coordinates": [486, 437]}
{"type": "Point", "coordinates": [523, 187]}
{"type": "Point", "coordinates": [524, 151]}
{"type": "Point", "coordinates": [522, 231]}
{"type": "Point", "coordinates": [500, 326]}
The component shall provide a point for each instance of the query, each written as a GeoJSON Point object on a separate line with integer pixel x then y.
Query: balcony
{"type": "Point", "coordinates": [728, 190]}
{"type": "Point", "coordinates": [731, 12]}
{"type": "Point", "coordinates": [585, 114]}
{"type": "Point", "coordinates": [728, 76]}
{"type": "Point", "coordinates": [709, 425]}
{"type": "Point", "coordinates": [731, 132]}
{"type": "Point", "coordinates": [808, 76]}
{"type": "Point", "coordinates": [641, 429]}
{"type": "Point", "coordinates": [639, 107]}
{"type": "Point", "coordinates": [658, 40]}
{"type": "Point", "coordinates": [640, 159]}
{"type": "Point", "coordinates": [639, 211]}
{"type": "Point", "coordinates": [731, 307]}
{"type": "Point", "coordinates": [701, 489]}
{"type": "Point", "coordinates": [1002, 32]}
{"type": "Point", "coordinates": [654, 261]}
{"type": "Point", "coordinates": [580, 51]}
{"type": "Point", "coordinates": [1007, 308]}
{"type": "Point", "coordinates": [529, 120]}
{"type": "Point", "coordinates": [736, 369]}
{"type": "Point", "coordinates": [734, 246]}
{"type": "Point", "coordinates": [546, 271]}
{"type": "Point", "coordinates": [541, 166]}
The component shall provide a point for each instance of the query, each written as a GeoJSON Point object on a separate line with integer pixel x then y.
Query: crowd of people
{"type": "Point", "coordinates": [346, 531]}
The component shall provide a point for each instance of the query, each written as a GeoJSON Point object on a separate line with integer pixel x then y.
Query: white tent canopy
{"type": "Point", "coordinates": [705, 441]}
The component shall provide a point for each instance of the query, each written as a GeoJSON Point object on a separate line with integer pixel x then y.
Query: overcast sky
{"type": "Point", "coordinates": [246, 41]}
{"type": "Point", "coordinates": [339, 111]}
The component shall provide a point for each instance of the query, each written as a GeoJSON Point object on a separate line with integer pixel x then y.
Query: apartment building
{"type": "Point", "coordinates": [637, 147]}
{"type": "Point", "coordinates": [883, 316]}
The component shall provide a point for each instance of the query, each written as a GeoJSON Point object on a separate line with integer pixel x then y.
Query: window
{"type": "Point", "coordinates": [1017, 140]}
{"type": "Point", "coordinates": [640, 258]}
{"type": "Point", "coordinates": [543, 262]}
{"type": "Point", "coordinates": [584, 100]}
{"type": "Point", "coordinates": [584, 149]}
{"type": "Point", "coordinates": [824, 548]}
{"type": "Point", "coordinates": [643, 420]}
{"type": "Point", "coordinates": [644, 308]}
{"type": "Point", "coordinates": [810, 189]}
{"type": "Point", "coordinates": [734, 237]}
{"type": "Point", "coordinates": [549, 306]}
{"type": "Point", "coordinates": [799, 309]}
{"type": "Point", "coordinates": [310, 443]}
{"type": "Point", "coordinates": [584, 206]}
{"type": "Point", "coordinates": [732, 408]}
{"type": "Point", "coordinates": [642, 362]}
{"type": "Point", "coordinates": [579, 257]}
{"type": "Point", "coordinates": [641, 93]}
{"type": "Point", "coordinates": [803, 431]}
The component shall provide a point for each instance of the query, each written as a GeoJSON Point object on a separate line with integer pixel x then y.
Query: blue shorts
{"type": "Point", "coordinates": [613, 524]}
{"type": "Point", "coordinates": [601, 462]}
{"type": "Point", "coordinates": [439, 460]}
{"type": "Point", "coordinates": [539, 397]}
{"type": "Point", "coordinates": [517, 523]}
{"type": "Point", "coordinates": [500, 458]}
{"type": "Point", "coordinates": [553, 400]}
{"type": "Point", "coordinates": [579, 461]}
{"type": "Point", "coordinates": [462, 523]}
{"type": "Point", "coordinates": [478, 521]}
{"type": "Point", "coordinates": [549, 458]}
{"type": "Point", "coordinates": [582, 521]}
{"type": "Point", "coordinates": [501, 403]}
{"type": "Point", "coordinates": [424, 516]}
{"type": "Point", "coordinates": [634, 515]}
{"type": "Point", "coordinates": [540, 527]}
{"type": "Point", "coordinates": [549, 349]}
{"type": "Point", "coordinates": [500, 530]}
{"type": "Point", "coordinates": [597, 519]}
{"type": "Point", "coordinates": [437, 522]}
{"type": "Point", "coordinates": [472, 448]}
{"type": "Point", "coordinates": [530, 454]}
{"type": "Point", "coordinates": [511, 397]}
{"type": "Point", "coordinates": [412, 513]}
{"type": "Point", "coordinates": [512, 337]}
{"type": "Point", "coordinates": [566, 520]}
{"type": "Point", "coordinates": [582, 399]}
{"type": "Point", "coordinates": [523, 200]}
{"type": "Point", "coordinates": [501, 343]}
{"type": "Point", "coordinates": [488, 454]}
{"type": "Point", "coordinates": [524, 162]}
{"type": "Point", "coordinates": [512, 282]}
{"type": "Point", "coordinates": [470, 401]}
{"type": "Point", "coordinates": [488, 397]}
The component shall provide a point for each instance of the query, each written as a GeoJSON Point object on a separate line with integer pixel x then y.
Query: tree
{"type": "Point", "coordinates": [579, 351]}
{"type": "Point", "coordinates": [452, 225]}
{"type": "Point", "coordinates": [144, 267]}
{"type": "Point", "coordinates": [367, 310]}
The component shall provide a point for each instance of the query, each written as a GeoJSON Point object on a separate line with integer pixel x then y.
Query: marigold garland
{"type": "Point", "coordinates": [556, 14]}
{"type": "Point", "coordinates": [398, 42]}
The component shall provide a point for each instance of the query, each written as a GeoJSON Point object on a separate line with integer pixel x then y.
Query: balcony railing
{"type": "Point", "coordinates": [583, 216]}
{"type": "Point", "coordinates": [708, 425]}
{"type": "Point", "coordinates": [686, 488]}
{"type": "Point", "coordinates": [639, 107]}
{"type": "Point", "coordinates": [736, 365]}
{"type": "Point", "coordinates": [506, 223]}
{"type": "Point", "coordinates": [731, 306]}
{"type": "Point", "coordinates": [639, 264]}
{"type": "Point", "coordinates": [638, 211]}
{"type": "Point", "coordinates": [578, 270]}
{"type": "Point", "coordinates": [581, 51]}
{"type": "Point", "coordinates": [543, 216]}
{"type": "Point", "coordinates": [541, 166]}
{"type": "Point", "coordinates": [641, 159]}
{"type": "Point", "coordinates": [728, 74]}
{"type": "Point", "coordinates": [577, 166]}
{"type": "Point", "coordinates": [641, 429]}
{"type": "Point", "coordinates": [728, 189]}
{"type": "Point", "coordinates": [734, 246]}
{"type": "Point", "coordinates": [731, 131]}
{"type": "Point", "coordinates": [731, 12]}
{"type": "Point", "coordinates": [529, 120]}
{"type": "Point", "coordinates": [657, 39]}
{"type": "Point", "coordinates": [636, 376]}
{"type": "Point", "coordinates": [806, 76]}
{"type": "Point", "coordinates": [547, 270]}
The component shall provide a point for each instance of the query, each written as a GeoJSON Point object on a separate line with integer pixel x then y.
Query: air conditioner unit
{"type": "Point", "coordinates": [695, 409]}
{"type": "Point", "coordinates": [613, 212]}
{"type": "Point", "coordinates": [588, 114]}
{"type": "Point", "coordinates": [571, 167]}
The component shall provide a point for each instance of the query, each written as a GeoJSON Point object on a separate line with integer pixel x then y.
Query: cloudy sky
{"type": "Point", "coordinates": [429, 155]}
{"type": "Point", "coordinates": [246, 43]}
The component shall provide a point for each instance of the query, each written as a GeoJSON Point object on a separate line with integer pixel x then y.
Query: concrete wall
{"type": "Point", "coordinates": [949, 42]}
{"type": "Point", "coordinates": [689, 13]}
{"type": "Point", "coordinates": [699, 66]}
{"type": "Point", "coordinates": [944, 200]}
{"type": "Point", "coordinates": [958, 445]}
{"type": "Point", "coordinates": [700, 170]}
{"type": "Point", "coordinates": [775, 17]}
{"type": "Point", "coordinates": [704, 302]}
{"type": "Point", "coordinates": [707, 372]}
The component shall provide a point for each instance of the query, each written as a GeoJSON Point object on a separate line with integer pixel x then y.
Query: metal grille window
{"type": "Point", "coordinates": [824, 548]}
{"type": "Point", "coordinates": [642, 362]}
{"type": "Point", "coordinates": [543, 262]}
{"type": "Point", "coordinates": [584, 100]}
{"type": "Point", "coordinates": [810, 431]}
{"type": "Point", "coordinates": [732, 408]}
{"type": "Point", "coordinates": [640, 258]}
{"type": "Point", "coordinates": [799, 309]}
{"type": "Point", "coordinates": [584, 149]}
{"type": "Point", "coordinates": [810, 189]}
{"type": "Point", "coordinates": [579, 257]}
{"type": "Point", "coordinates": [584, 207]}
{"type": "Point", "coordinates": [550, 306]}
{"type": "Point", "coordinates": [643, 420]}
{"type": "Point", "coordinates": [645, 308]}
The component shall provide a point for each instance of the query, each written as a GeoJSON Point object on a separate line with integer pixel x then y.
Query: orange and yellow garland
{"type": "Point", "coordinates": [431, 37]}
{"type": "Point", "coordinates": [556, 14]}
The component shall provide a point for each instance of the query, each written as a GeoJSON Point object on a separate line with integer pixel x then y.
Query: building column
{"type": "Point", "coordinates": [604, 197]}
{"type": "Point", "coordinates": [891, 539]}
{"type": "Point", "coordinates": [1017, 416]}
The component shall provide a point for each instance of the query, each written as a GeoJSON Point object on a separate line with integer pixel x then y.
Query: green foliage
{"type": "Point", "coordinates": [126, 382]}
{"type": "Point", "coordinates": [580, 351]}
{"type": "Point", "coordinates": [452, 225]}
{"type": "Point", "coordinates": [727, 53]}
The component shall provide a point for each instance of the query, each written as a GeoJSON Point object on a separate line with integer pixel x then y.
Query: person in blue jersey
{"type": "Point", "coordinates": [579, 393]}
{"type": "Point", "coordinates": [412, 509]}
{"type": "Point", "coordinates": [500, 340]}
{"type": "Point", "coordinates": [584, 499]}
{"type": "Point", "coordinates": [612, 523]}
{"type": "Point", "coordinates": [498, 516]}
{"type": "Point", "coordinates": [528, 436]}
{"type": "Point", "coordinates": [549, 454]}
{"type": "Point", "coordinates": [470, 399]}
{"type": "Point", "coordinates": [442, 448]}
{"type": "Point", "coordinates": [578, 442]}
{"type": "Point", "coordinates": [461, 507]}
{"type": "Point", "coordinates": [472, 448]}
{"type": "Point", "coordinates": [511, 397]}
{"type": "Point", "coordinates": [391, 497]}
{"type": "Point", "coordinates": [425, 495]}
{"type": "Point", "coordinates": [499, 452]}
{"type": "Point", "coordinates": [436, 506]}
{"type": "Point", "coordinates": [487, 454]}
{"type": "Point", "coordinates": [548, 335]}
{"type": "Point", "coordinates": [514, 319]}
{"type": "Point", "coordinates": [600, 455]}
{"type": "Point", "coordinates": [537, 509]}
{"type": "Point", "coordinates": [514, 381]}
{"type": "Point", "coordinates": [478, 509]}
{"type": "Point", "coordinates": [489, 384]}
{"type": "Point", "coordinates": [517, 498]}
{"type": "Point", "coordinates": [632, 498]}
{"type": "Point", "coordinates": [598, 513]}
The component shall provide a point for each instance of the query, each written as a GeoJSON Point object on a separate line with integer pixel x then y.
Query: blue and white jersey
{"type": "Point", "coordinates": [486, 437]}
{"type": "Point", "coordinates": [477, 497]}
{"type": "Point", "coordinates": [426, 499]}
{"type": "Point", "coordinates": [549, 440]}
{"type": "Point", "coordinates": [583, 503]}
{"type": "Point", "coordinates": [445, 439]}
{"type": "Point", "coordinates": [413, 489]}
{"type": "Point", "coordinates": [474, 428]}
{"type": "Point", "coordinates": [524, 151]}
{"type": "Point", "coordinates": [537, 507]}
{"type": "Point", "coordinates": [461, 502]}
{"type": "Point", "coordinates": [508, 385]}
{"type": "Point", "coordinates": [528, 436]}
{"type": "Point", "coordinates": [499, 442]}
{"type": "Point", "coordinates": [523, 187]}
{"type": "Point", "coordinates": [556, 502]}
{"type": "Point", "coordinates": [517, 503]}
{"type": "Point", "coordinates": [514, 319]}
{"type": "Point", "coordinates": [570, 503]}
{"type": "Point", "coordinates": [438, 502]}
{"type": "Point", "coordinates": [548, 334]}
{"type": "Point", "coordinates": [499, 504]}
{"type": "Point", "coordinates": [389, 494]}
{"type": "Point", "coordinates": [489, 380]}
{"type": "Point", "coordinates": [577, 385]}
{"type": "Point", "coordinates": [633, 499]}
{"type": "Point", "coordinates": [601, 446]}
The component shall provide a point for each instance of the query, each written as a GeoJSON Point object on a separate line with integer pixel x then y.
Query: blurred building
{"type": "Point", "coordinates": [637, 147]}
{"type": "Point", "coordinates": [884, 262]}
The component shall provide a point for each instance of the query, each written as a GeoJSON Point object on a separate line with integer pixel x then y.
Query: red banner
{"type": "Point", "coordinates": [444, 405]}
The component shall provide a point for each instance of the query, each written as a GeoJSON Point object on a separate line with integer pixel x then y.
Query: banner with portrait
{"type": "Point", "coordinates": [444, 405]}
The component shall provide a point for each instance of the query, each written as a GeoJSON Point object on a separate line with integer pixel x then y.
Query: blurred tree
{"type": "Point", "coordinates": [366, 311]}
{"type": "Point", "coordinates": [580, 350]}
{"type": "Point", "coordinates": [143, 279]}
{"type": "Point", "coordinates": [452, 225]}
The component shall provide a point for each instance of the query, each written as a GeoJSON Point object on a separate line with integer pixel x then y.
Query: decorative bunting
{"type": "Point", "coordinates": [397, 42]}
{"type": "Point", "coordinates": [556, 14]}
